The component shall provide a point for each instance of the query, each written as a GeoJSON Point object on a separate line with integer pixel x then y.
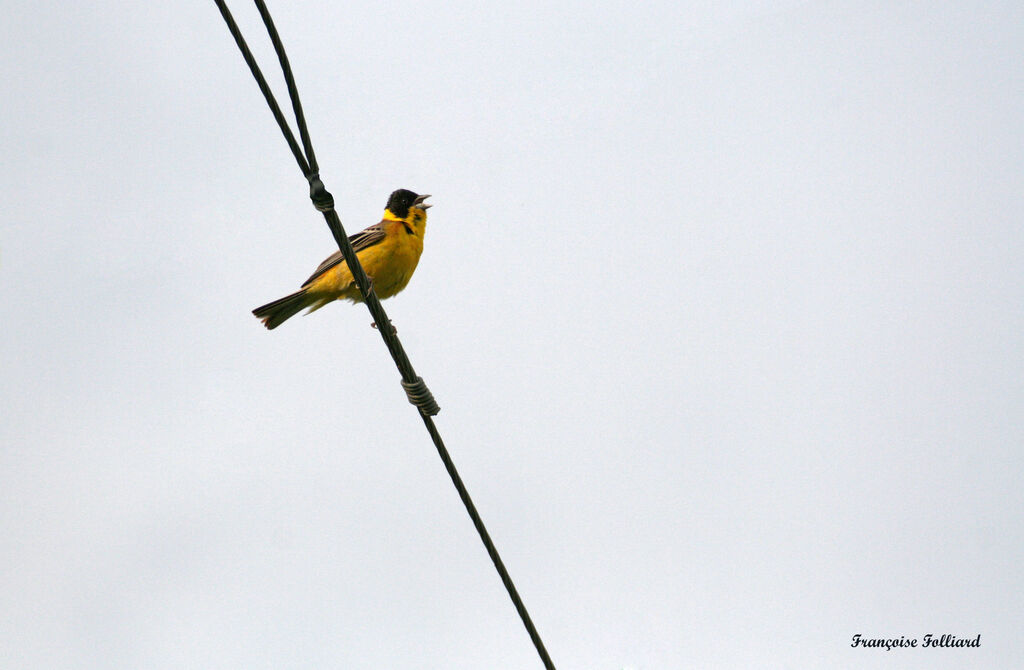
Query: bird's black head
{"type": "Point", "coordinates": [403, 199]}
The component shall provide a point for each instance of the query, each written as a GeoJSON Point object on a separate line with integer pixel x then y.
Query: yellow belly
{"type": "Point", "coordinates": [389, 264]}
{"type": "Point", "coordinates": [392, 267]}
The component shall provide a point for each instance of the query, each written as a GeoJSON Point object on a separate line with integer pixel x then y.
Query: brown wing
{"type": "Point", "coordinates": [361, 240]}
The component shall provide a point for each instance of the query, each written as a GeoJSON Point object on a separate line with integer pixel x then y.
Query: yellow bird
{"type": "Point", "coordinates": [388, 252]}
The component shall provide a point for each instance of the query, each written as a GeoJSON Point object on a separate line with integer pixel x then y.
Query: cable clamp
{"type": "Point", "coordinates": [420, 395]}
{"type": "Point", "coordinates": [321, 198]}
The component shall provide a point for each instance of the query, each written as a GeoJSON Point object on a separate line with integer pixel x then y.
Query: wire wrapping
{"type": "Point", "coordinates": [420, 395]}
{"type": "Point", "coordinates": [415, 388]}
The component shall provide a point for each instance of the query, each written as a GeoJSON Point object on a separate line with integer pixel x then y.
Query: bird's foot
{"type": "Point", "coordinates": [394, 331]}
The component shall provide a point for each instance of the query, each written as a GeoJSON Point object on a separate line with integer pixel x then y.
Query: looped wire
{"type": "Point", "coordinates": [420, 395]}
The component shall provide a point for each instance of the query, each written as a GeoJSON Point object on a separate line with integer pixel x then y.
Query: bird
{"type": "Point", "coordinates": [388, 251]}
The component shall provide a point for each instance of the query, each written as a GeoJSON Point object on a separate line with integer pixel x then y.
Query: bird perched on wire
{"type": "Point", "coordinates": [388, 252]}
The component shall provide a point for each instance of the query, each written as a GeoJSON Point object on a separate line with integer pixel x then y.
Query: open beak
{"type": "Point", "coordinates": [419, 202]}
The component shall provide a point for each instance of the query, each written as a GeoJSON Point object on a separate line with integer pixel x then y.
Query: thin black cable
{"type": "Point", "coordinates": [289, 80]}
{"type": "Point", "coordinates": [415, 388]}
{"type": "Point", "coordinates": [250, 60]}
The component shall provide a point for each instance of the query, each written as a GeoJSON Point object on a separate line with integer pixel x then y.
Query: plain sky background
{"type": "Point", "coordinates": [723, 304]}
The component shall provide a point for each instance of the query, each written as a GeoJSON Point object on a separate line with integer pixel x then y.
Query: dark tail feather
{"type": "Point", "coordinates": [273, 314]}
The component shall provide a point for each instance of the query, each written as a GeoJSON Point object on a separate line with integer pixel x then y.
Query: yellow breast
{"type": "Point", "coordinates": [389, 263]}
{"type": "Point", "coordinates": [392, 262]}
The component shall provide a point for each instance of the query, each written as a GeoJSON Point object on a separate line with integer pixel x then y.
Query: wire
{"type": "Point", "coordinates": [415, 388]}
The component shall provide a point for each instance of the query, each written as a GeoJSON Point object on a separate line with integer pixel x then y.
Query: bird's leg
{"type": "Point", "coordinates": [394, 331]}
{"type": "Point", "coordinates": [369, 288]}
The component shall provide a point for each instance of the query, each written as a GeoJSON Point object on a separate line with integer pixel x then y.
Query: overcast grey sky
{"type": "Point", "coordinates": [722, 303]}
